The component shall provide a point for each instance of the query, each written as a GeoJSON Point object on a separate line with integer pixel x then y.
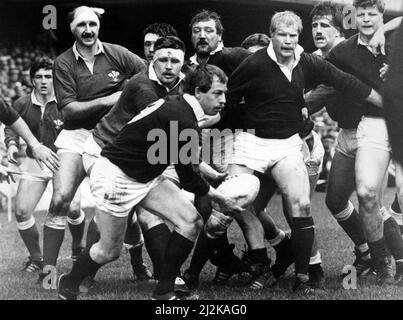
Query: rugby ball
{"type": "Point", "coordinates": [244, 187]}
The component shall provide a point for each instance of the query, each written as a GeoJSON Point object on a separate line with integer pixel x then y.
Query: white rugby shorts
{"type": "Point", "coordinates": [115, 192]}
{"type": "Point", "coordinates": [261, 154]}
{"type": "Point", "coordinates": [71, 141]}
{"type": "Point", "coordinates": [347, 142]}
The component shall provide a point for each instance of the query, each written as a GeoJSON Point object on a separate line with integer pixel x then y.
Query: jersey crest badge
{"type": "Point", "coordinates": [114, 75]}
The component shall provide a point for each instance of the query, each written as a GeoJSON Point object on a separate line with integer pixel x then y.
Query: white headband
{"type": "Point", "coordinates": [85, 13]}
{"type": "Point", "coordinates": [170, 52]}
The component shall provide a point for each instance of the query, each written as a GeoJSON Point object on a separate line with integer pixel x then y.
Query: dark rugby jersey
{"type": "Point", "coordinates": [357, 60]}
{"type": "Point", "coordinates": [139, 92]}
{"type": "Point", "coordinates": [73, 80]}
{"type": "Point", "coordinates": [7, 114]}
{"type": "Point", "coordinates": [44, 127]}
{"type": "Point", "coordinates": [227, 59]}
{"type": "Point", "coordinates": [273, 104]}
{"type": "Point", "coordinates": [394, 96]}
{"type": "Point", "coordinates": [130, 149]}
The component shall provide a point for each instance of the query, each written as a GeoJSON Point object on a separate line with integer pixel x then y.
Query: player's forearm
{"type": "Point", "coordinates": [80, 109]}
{"type": "Point", "coordinates": [319, 97]}
{"type": "Point", "coordinates": [391, 25]}
{"type": "Point", "coordinates": [22, 129]}
{"type": "Point", "coordinates": [375, 98]}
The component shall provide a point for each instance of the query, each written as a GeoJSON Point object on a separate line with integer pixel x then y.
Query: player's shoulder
{"type": "Point", "coordinates": [117, 50]}
{"type": "Point", "coordinates": [255, 59]}
{"type": "Point", "coordinates": [139, 80]}
{"type": "Point", "coordinates": [235, 53]}
{"type": "Point", "coordinates": [65, 59]}
{"type": "Point", "coordinates": [23, 100]}
{"type": "Point", "coordinates": [343, 46]}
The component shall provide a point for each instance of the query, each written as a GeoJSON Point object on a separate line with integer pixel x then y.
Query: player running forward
{"type": "Point", "coordinates": [272, 82]}
{"type": "Point", "coordinates": [163, 77]}
{"type": "Point", "coordinates": [129, 173]}
{"type": "Point", "coordinates": [89, 78]}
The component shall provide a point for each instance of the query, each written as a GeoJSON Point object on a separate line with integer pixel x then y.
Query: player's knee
{"type": "Point", "coordinates": [190, 223]}
{"type": "Point", "coordinates": [303, 206]}
{"type": "Point", "coordinates": [60, 203]}
{"type": "Point", "coordinates": [110, 254]}
{"type": "Point", "coordinates": [367, 197]}
{"type": "Point", "coordinates": [22, 214]}
{"type": "Point", "coordinates": [74, 213]}
{"type": "Point", "coordinates": [217, 224]}
{"type": "Point", "coordinates": [147, 220]}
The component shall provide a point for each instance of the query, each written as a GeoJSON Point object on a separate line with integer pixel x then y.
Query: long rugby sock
{"type": "Point", "coordinates": [92, 234]}
{"type": "Point", "coordinates": [133, 236]}
{"type": "Point", "coordinates": [222, 243]}
{"type": "Point", "coordinates": [177, 251]}
{"type": "Point", "coordinates": [393, 239]}
{"type": "Point", "coordinates": [52, 241]}
{"type": "Point", "coordinates": [302, 240]}
{"type": "Point", "coordinates": [136, 257]}
{"type": "Point", "coordinates": [93, 237]}
{"type": "Point", "coordinates": [378, 251]}
{"type": "Point", "coordinates": [350, 221]}
{"type": "Point", "coordinates": [83, 268]}
{"type": "Point", "coordinates": [77, 227]}
{"type": "Point", "coordinates": [134, 242]}
{"type": "Point", "coordinates": [30, 235]}
{"type": "Point", "coordinates": [156, 240]}
{"type": "Point", "coordinates": [205, 248]}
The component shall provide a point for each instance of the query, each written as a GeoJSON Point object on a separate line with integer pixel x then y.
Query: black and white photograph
{"type": "Point", "coordinates": [220, 152]}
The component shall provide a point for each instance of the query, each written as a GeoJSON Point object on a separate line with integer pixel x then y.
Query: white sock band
{"type": "Point", "coordinates": [384, 213]}
{"type": "Point", "coordinates": [56, 222]}
{"type": "Point", "coordinates": [79, 220]}
{"type": "Point", "coordinates": [363, 247]}
{"type": "Point", "coordinates": [315, 259]}
{"type": "Point", "coordinates": [275, 241]}
{"type": "Point", "coordinates": [26, 224]}
{"type": "Point", "coordinates": [346, 213]}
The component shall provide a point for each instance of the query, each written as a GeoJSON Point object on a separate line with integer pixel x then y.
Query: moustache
{"type": "Point", "coordinates": [86, 35]}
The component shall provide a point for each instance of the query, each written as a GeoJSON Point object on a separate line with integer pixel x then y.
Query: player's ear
{"type": "Point", "coordinates": [197, 92]}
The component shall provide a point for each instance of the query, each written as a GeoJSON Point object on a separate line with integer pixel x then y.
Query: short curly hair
{"type": "Point", "coordinates": [161, 28]}
{"type": "Point", "coordinates": [256, 39]}
{"type": "Point", "coordinates": [202, 77]}
{"type": "Point", "coordinates": [41, 63]}
{"type": "Point", "coordinates": [328, 8]}
{"type": "Point", "coordinates": [289, 18]}
{"type": "Point", "coordinates": [380, 4]}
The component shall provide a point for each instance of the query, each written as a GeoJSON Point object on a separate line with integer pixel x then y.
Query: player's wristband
{"type": "Point", "coordinates": [34, 145]}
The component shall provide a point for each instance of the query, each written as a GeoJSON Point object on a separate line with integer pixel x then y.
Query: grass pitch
{"type": "Point", "coordinates": [113, 279]}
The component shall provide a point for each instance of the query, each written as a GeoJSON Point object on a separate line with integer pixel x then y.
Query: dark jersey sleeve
{"type": "Point", "coordinates": [319, 97]}
{"type": "Point", "coordinates": [190, 180]}
{"type": "Point", "coordinates": [10, 134]}
{"type": "Point", "coordinates": [7, 114]}
{"type": "Point", "coordinates": [133, 63]}
{"type": "Point", "coordinates": [65, 84]}
{"type": "Point", "coordinates": [326, 73]}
